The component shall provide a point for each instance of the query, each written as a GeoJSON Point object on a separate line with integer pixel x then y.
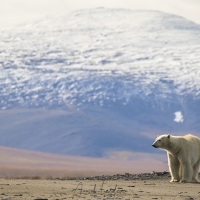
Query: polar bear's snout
{"type": "Point", "coordinates": [154, 145]}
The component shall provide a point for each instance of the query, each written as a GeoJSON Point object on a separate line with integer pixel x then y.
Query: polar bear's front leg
{"type": "Point", "coordinates": [174, 167]}
{"type": "Point", "coordinates": [187, 172]}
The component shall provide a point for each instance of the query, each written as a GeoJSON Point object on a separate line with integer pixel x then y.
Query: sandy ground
{"type": "Point", "coordinates": [91, 189]}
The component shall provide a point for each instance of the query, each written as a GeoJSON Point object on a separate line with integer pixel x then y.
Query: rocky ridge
{"type": "Point", "coordinates": [127, 176]}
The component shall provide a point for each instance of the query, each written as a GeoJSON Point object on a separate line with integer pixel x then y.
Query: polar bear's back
{"type": "Point", "coordinates": [192, 145]}
{"type": "Point", "coordinates": [192, 138]}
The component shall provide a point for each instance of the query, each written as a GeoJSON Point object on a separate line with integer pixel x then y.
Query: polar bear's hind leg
{"type": "Point", "coordinates": [195, 172]}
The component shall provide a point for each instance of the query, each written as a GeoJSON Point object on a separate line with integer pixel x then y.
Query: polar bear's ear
{"type": "Point", "coordinates": [168, 136]}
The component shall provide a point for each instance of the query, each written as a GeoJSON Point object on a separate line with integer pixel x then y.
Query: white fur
{"type": "Point", "coordinates": [183, 156]}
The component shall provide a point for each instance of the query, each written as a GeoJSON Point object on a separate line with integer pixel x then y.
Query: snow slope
{"type": "Point", "coordinates": [99, 79]}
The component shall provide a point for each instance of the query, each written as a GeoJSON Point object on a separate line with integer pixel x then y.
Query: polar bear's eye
{"type": "Point", "coordinates": [159, 140]}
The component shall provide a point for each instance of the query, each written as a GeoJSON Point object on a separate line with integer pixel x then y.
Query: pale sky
{"type": "Point", "coordinates": [14, 12]}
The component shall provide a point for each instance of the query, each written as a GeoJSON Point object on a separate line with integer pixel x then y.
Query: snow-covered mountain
{"type": "Point", "coordinates": [99, 80]}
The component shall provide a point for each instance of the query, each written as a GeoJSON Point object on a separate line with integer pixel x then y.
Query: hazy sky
{"type": "Point", "coordinates": [13, 12]}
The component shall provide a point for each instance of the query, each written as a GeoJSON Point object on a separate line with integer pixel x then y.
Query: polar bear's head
{"type": "Point", "coordinates": [161, 141]}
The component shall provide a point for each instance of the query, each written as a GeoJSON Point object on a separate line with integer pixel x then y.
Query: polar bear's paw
{"type": "Point", "coordinates": [195, 181]}
{"type": "Point", "coordinates": [174, 180]}
{"type": "Point", "coordinates": [185, 181]}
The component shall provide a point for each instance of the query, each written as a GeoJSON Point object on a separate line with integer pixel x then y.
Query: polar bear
{"type": "Point", "coordinates": [183, 156]}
